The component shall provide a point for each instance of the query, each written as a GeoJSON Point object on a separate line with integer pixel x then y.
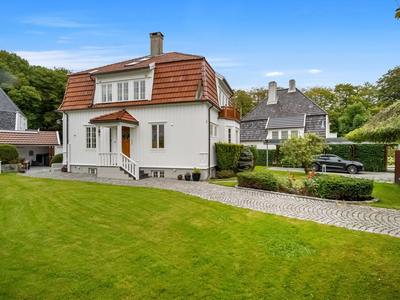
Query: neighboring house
{"type": "Point", "coordinates": [160, 114]}
{"type": "Point", "coordinates": [283, 113]}
{"type": "Point", "coordinates": [33, 145]}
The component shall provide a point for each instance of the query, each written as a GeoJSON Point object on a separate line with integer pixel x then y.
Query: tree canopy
{"type": "Point", "coordinates": [384, 127]}
{"type": "Point", "coordinates": [37, 91]}
{"type": "Point", "coordinates": [353, 117]}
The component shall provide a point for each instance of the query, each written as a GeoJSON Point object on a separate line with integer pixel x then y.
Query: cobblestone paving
{"type": "Point", "coordinates": [356, 217]}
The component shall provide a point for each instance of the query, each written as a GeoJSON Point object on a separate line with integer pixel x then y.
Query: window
{"type": "Point", "coordinates": [155, 173]}
{"type": "Point", "coordinates": [31, 153]}
{"type": "Point", "coordinates": [275, 135]}
{"type": "Point", "coordinates": [284, 135]}
{"type": "Point", "coordinates": [106, 92]}
{"type": "Point", "coordinates": [323, 124]}
{"type": "Point", "coordinates": [213, 130]}
{"type": "Point", "coordinates": [92, 171]}
{"type": "Point", "coordinates": [157, 136]}
{"type": "Point", "coordinates": [123, 91]}
{"type": "Point", "coordinates": [237, 136]}
{"type": "Point", "coordinates": [159, 174]}
{"type": "Point", "coordinates": [139, 90]}
{"type": "Point", "coordinates": [90, 137]}
{"type": "Point", "coordinates": [295, 133]}
{"type": "Point", "coordinates": [229, 135]}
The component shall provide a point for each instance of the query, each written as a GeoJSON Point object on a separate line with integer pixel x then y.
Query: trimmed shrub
{"type": "Point", "coordinates": [255, 155]}
{"type": "Point", "coordinates": [343, 151]}
{"type": "Point", "coordinates": [372, 156]}
{"type": "Point", "coordinates": [262, 157]}
{"type": "Point", "coordinates": [57, 159]}
{"type": "Point", "coordinates": [228, 155]}
{"type": "Point", "coordinates": [342, 188]}
{"type": "Point", "coordinates": [263, 181]}
{"type": "Point", "coordinates": [225, 174]}
{"type": "Point", "coordinates": [9, 154]}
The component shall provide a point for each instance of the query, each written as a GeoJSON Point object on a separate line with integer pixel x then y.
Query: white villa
{"type": "Point", "coordinates": [158, 114]}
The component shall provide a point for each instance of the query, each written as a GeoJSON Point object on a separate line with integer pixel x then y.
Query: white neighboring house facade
{"type": "Point", "coordinates": [283, 113]}
{"type": "Point", "coordinates": [159, 115]}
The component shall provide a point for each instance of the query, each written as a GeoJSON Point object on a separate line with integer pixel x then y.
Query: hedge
{"type": "Point", "coordinates": [343, 188]}
{"type": "Point", "coordinates": [262, 157]}
{"type": "Point", "coordinates": [255, 154]}
{"type": "Point", "coordinates": [57, 159]}
{"type": "Point", "coordinates": [264, 181]}
{"type": "Point", "coordinates": [228, 155]}
{"type": "Point", "coordinates": [9, 154]}
{"type": "Point", "coordinates": [372, 156]}
{"type": "Point", "coordinates": [343, 151]}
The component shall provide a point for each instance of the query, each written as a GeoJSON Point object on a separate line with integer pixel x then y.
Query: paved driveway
{"type": "Point", "coordinates": [357, 217]}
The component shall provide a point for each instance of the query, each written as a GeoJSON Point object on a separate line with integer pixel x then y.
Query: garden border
{"type": "Point", "coordinates": [308, 197]}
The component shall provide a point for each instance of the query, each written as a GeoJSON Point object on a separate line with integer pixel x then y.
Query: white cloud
{"type": "Point", "coordinates": [271, 74]}
{"type": "Point", "coordinates": [56, 22]}
{"type": "Point", "coordinates": [73, 60]}
{"type": "Point", "coordinates": [314, 71]}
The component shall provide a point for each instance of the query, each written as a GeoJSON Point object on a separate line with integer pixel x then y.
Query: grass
{"type": "Point", "coordinates": [387, 193]}
{"type": "Point", "coordinates": [80, 240]}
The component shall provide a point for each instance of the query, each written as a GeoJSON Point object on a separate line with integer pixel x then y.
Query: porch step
{"type": "Point", "coordinates": [142, 174]}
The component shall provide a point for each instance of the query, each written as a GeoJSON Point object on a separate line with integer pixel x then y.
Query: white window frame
{"type": "Point", "coordinates": [272, 135]}
{"type": "Point", "coordinates": [91, 137]}
{"type": "Point", "coordinates": [123, 91]}
{"type": "Point", "coordinates": [139, 89]}
{"type": "Point", "coordinates": [214, 130]}
{"type": "Point", "coordinates": [287, 134]}
{"type": "Point", "coordinates": [237, 136]}
{"type": "Point", "coordinates": [158, 135]}
{"type": "Point", "coordinates": [158, 173]}
{"type": "Point", "coordinates": [229, 135]}
{"type": "Point", "coordinates": [106, 92]}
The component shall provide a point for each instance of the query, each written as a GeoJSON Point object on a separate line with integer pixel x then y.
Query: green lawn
{"type": "Point", "coordinates": [80, 240]}
{"type": "Point", "coordinates": [387, 193]}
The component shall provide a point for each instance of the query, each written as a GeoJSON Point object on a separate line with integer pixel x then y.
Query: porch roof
{"type": "Point", "coordinates": [118, 116]}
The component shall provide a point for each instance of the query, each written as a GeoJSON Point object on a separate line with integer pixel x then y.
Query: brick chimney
{"type": "Point", "coordinates": [292, 86]}
{"type": "Point", "coordinates": [156, 43]}
{"type": "Point", "coordinates": [272, 97]}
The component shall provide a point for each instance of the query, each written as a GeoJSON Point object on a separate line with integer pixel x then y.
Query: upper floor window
{"type": "Point", "coordinates": [123, 91]}
{"type": "Point", "coordinates": [229, 135]}
{"type": "Point", "coordinates": [275, 135]}
{"type": "Point", "coordinates": [237, 136]}
{"type": "Point", "coordinates": [139, 90]}
{"type": "Point", "coordinates": [284, 135]}
{"type": "Point", "coordinates": [213, 130]}
{"type": "Point", "coordinates": [295, 133]}
{"type": "Point", "coordinates": [157, 136]}
{"type": "Point", "coordinates": [90, 137]}
{"type": "Point", "coordinates": [106, 92]}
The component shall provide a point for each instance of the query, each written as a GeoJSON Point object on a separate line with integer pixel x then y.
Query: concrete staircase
{"type": "Point", "coordinates": [142, 174]}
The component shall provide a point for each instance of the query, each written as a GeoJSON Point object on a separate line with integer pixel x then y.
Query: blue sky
{"type": "Point", "coordinates": [250, 42]}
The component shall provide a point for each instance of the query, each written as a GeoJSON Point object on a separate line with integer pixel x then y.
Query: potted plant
{"type": "Point", "coordinates": [196, 174]}
{"type": "Point", "coordinates": [180, 177]}
{"type": "Point", "coordinates": [187, 176]}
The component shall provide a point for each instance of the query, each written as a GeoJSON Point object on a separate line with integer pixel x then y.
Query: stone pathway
{"type": "Point", "coordinates": [356, 217]}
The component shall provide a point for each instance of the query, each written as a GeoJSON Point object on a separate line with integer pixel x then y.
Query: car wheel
{"type": "Point", "coordinates": [352, 169]}
{"type": "Point", "coordinates": [315, 167]}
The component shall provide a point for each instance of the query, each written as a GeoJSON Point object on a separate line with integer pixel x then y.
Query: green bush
{"type": "Point", "coordinates": [262, 157]}
{"type": "Point", "coordinates": [263, 181]}
{"type": "Point", "coordinates": [57, 159]}
{"type": "Point", "coordinates": [342, 188]}
{"type": "Point", "coordinates": [255, 154]}
{"type": "Point", "coordinates": [372, 156]}
{"type": "Point", "coordinates": [343, 151]}
{"type": "Point", "coordinates": [225, 174]}
{"type": "Point", "coordinates": [9, 154]}
{"type": "Point", "coordinates": [228, 155]}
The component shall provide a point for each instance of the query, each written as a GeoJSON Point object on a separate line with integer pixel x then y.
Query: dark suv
{"type": "Point", "coordinates": [335, 163]}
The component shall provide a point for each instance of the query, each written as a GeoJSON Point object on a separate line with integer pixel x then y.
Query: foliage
{"type": "Point", "coordinates": [262, 157]}
{"type": "Point", "coordinates": [288, 184]}
{"type": "Point", "coordinates": [372, 156]}
{"type": "Point", "coordinates": [57, 159]}
{"type": "Point", "coordinates": [300, 150]}
{"type": "Point", "coordinates": [264, 181]}
{"type": "Point", "coordinates": [36, 90]}
{"type": "Point", "coordinates": [384, 127]}
{"type": "Point", "coordinates": [225, 174]}
{"type": "Point", "coordinates": [245, 101]}
{"type": "Point", "coordinates": [353, 117]}
{"type": "Point", "coordinates": [8, 154]}
{"type": "Point", "coordinates": [255, 155]}
{"type": "Point", "coordinates": [389, 86]}
{"type": "Point", "coordinates": [342, 188]}
{"type": "Point", "coordinates": [246, 161]}
{"type": "Point", "coordinates": [397, 15]}
{"type": "Point", "coordinates": [344, 151]}
{"type": "Point", "coordinates": [228, 155]}
{"type": "Point", "coordinates": [196, 171]}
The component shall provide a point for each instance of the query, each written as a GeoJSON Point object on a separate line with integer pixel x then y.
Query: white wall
{"type": "Point", "coordinates": [24, 151]}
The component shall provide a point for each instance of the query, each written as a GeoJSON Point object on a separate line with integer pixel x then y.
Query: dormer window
{"type": "Point", "coordinates": [106, 93]}
{"type": "Point", "coordinates": [123, 91]}
{"type": "Point", "coordinates": [139, 90]}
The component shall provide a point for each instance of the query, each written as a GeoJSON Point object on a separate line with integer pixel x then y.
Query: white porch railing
{"type": "Point", "coordinates": [111, 159]}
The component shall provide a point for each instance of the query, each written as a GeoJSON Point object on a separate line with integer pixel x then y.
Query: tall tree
{"type": "Point", "coordinates": [389, 86]}
{"type": "Point", "coordinates": [353, 117]}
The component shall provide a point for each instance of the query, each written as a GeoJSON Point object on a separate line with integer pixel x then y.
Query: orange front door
{"type": "Point", "coordinates": [126, 141]}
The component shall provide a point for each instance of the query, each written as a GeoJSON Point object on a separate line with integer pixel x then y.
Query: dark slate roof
{"type": "Point", "coordinates": [290, 122]}
{"type": "Point", "coordinates": [6, 104]}
{"type": "Point", "coordinates": [253, 131]}
{"type": "Point", "coordinates": [288, 105]}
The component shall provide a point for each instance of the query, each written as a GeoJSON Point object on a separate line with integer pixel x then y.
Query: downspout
{"type": "Point", "coordinates": [67, 139]}
{"type": "Point", "coordinates": [209, 141]}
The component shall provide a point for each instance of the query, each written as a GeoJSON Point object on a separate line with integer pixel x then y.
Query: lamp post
{"type": "Point", "coordinates": [266, 142]}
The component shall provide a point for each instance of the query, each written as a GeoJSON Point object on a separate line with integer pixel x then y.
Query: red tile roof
{"type": "Point", "coordinates": [39, 138]}
{"type": "Point", "coordinates": [118, 116]}
{"type": "Point", "coordinates": [176, 79]}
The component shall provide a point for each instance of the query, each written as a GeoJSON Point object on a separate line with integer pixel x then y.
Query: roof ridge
{"type": "Point", "coordinates": [5, 96]}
